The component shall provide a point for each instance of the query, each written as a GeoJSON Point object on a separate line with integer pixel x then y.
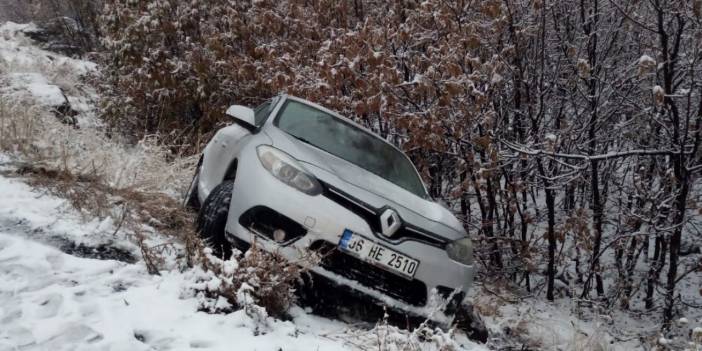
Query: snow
{"type": "Point", "coordinates": [496, 78]}
{"type": "Point", "coordinates": [35, 81]}
{"type": "Point", "coordinates": [9, 28]}
{"type": "Point", "coordinates": [38, 86]}
{"type": "Point", "coordinates": [17, 51]}
{"type": "Point", "coordinates": [418, 78]}
{"type": "Point", "coordinates": [45, 78]}
{"type": "Point", "coordinates": [658, 90]}
{"type": "Point", "coordinates": [53, 300]}
{"type": "Point", "coordinates": [647, 60]}
{"type": "Point", "coordinates": [551, 326]}
{"type": "Point", "coordinates": [45, 218]}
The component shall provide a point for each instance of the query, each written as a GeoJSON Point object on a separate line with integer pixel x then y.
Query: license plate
{"type": "Point", "coordinates": [377, 254]}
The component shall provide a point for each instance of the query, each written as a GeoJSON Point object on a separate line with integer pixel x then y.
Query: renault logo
{"type": "Point", "coordinates": [389, 222]}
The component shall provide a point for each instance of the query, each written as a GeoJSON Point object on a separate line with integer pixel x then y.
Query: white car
{"type": "Point", "coordinates": [296, 176]}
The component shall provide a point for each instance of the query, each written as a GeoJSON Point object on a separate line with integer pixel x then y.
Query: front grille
{"type": "Point", "coordinates": [412, 292]}
{"type": "Point", "coordinates": [372, 216]}
{"type": "Point", "coordinates": [417, 234]}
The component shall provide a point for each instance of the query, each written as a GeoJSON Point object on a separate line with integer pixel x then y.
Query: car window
{"type": "Point", "coordinates": [350, 143]}
{"type": "Point", "coordinates": [262, 111]}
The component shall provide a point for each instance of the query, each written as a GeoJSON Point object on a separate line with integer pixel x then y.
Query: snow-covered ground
{"type": "Point", "coordinates": [53, 300]}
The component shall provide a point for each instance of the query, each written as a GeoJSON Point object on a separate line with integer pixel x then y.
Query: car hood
{"type": "Point", "coordinates": [368, 187]}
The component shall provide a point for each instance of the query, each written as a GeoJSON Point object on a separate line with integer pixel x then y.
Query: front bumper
{"type": "Point", "coordinates": [324, 221]}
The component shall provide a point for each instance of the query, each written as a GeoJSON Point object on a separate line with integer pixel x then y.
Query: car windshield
{"type": "Point", "coordinates": [344, 140]}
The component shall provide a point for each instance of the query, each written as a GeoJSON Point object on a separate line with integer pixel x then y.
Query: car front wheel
{"type": "Point", "coordinates": [212, 220]}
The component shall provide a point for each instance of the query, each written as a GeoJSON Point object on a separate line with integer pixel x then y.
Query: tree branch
{"type": "Point", "coordinates": [607, 156]}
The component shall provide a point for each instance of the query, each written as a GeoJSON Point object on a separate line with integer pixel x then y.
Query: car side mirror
{"type": "Point", "coordinates": [242, 115]}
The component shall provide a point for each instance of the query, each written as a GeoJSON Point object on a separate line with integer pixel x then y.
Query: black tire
{"type": "Point", "coordinates": [212, 220]}
{"type": "Point", "coordinates": [191, 200]}
{"type": "Point", "coordinates": [469, 322]}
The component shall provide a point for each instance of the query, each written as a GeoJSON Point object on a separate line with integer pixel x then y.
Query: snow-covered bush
{"type": "Point", "coordinates": [174, 67]}
{"type": "Point", "coordinates": [387, 337]}
{"type": "Point", "coordinates": [253, 280]}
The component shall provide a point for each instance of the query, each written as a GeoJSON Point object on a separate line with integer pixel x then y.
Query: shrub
{"type": "Point", "coordinates": [174, 67]}
{"type": "Point", "coordinates": [256, 278]}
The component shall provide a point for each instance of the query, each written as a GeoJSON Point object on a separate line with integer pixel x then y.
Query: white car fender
{"type": "Point", "coordinates": [218, 156]}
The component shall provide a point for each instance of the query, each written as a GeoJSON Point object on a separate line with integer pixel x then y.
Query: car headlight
{"type": "Point", "coordinates": [461, 251]}
{"type": "Point", "coordinates": [288, 170]}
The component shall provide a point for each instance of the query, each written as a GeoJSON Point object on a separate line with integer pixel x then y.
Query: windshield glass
{"type": "Point", "coordinates": [350, 143]}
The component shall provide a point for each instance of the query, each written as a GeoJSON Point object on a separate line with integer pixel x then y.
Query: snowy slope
{"type": "Point", "coordinates": [49, 78]}
{"type": "Point", "coordinates": [53, 300]}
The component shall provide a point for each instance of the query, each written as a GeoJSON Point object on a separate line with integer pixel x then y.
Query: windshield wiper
{"type": "Point", "coordinates": [302, 139]}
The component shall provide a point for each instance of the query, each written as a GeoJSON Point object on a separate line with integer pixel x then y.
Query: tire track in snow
{"type": "Point", "coordinates": [50, 220]}
{"type": "Point", "coordinates": [65, 244]}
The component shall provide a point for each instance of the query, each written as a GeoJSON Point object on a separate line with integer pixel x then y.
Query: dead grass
{"type": "Point", "coordinates": [100, 177]}
{"type": "Point", "coordinates": [386, 337]}
{"type": "Point", "coordinates": [596, 341]}
{"type": "Point", "coordinates": [18, 130]}
{"type": "Point", "coordinates": [130, 209]}
{"type": "Point", "coordinates": [31, 133]}
{"type": "Point", "coordinates": [134, 185]}
{"type": "Point", "coordinates": [92, 196]}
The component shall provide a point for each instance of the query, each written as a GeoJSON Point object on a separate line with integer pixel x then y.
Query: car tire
{"type": "Point", "coordinates": [469, 321]}
{"type": "Point", "coordinates": [191, 200]}
{"type": "Point", "coordinates": [212, 219]}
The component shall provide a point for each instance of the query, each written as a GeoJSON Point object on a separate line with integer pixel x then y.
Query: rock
{"type": "Point", "coordinates": [45, 94]}
{"type": "Point", "coordinates": [66, 114]}
{"type": "Point", "coordinates": [53, 96]}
